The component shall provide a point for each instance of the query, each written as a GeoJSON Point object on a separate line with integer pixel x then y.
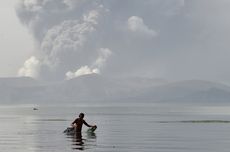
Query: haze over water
{"type": "Point", "coordinates": [160, 128]}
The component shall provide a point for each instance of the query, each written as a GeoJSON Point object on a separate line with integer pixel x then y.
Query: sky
{"type": "Point", "coordinates": [16, 44]}
{"type": "Point", "coordinates": [64, 39]}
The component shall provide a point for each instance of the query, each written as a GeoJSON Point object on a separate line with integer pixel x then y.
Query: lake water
{"type": "Point", "coordinates": [133, 128]}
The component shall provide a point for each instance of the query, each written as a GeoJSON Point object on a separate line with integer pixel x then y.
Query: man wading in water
{"type": "Point", "coordinates": [77, 123]}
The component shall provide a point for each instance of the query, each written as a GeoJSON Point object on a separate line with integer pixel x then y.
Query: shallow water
{"type": "Point", "coordinates": [125, 129]}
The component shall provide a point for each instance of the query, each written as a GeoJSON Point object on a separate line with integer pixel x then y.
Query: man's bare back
{"type": "Point", "coordinates": [77, 123]}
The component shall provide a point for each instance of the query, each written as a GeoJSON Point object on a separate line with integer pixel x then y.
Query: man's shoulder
{"type": "Point", "coordinates": [76, 119]}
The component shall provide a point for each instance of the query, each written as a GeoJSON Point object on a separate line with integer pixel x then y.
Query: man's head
{"type": "Point", "coordinates": [81, 115]}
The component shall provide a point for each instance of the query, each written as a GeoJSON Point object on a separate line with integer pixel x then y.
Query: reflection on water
{"type": "Point", "coordinates": [79, 142]}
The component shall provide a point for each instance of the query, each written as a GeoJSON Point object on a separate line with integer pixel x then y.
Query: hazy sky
{"type": "Point", "coordinates": [63, 39]}
{"type": "Point", "coordinates": [16, 44]}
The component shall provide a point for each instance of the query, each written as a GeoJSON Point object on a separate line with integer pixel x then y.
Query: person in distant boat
{"type": "Point", "coordinates": [77, 123]}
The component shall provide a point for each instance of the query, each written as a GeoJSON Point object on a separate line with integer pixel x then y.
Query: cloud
{"type": "Point", "coordinates": [136, 24]}
{"type": "Point", "coordinates": [68, 38]}
{"type": "Point", "coordinates": [175, 39]}
{"type": "Point", "coordinates": [30, 68]}
{"type": "Point", "coordinates": [103, 55]}
{"type": "Point", "coordinates": [65, 41]}
{"type": "Point", "coordinates": [33, 5]}
{"type": "Point", "coordinates": [71, 33]}
{"type": "Point", "coordinates": [84, 70]}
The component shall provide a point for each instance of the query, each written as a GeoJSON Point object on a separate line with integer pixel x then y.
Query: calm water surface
{"type": "Point", "coordinates": [121, 129]}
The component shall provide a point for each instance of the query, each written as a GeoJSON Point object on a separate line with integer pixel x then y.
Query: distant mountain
{"type": "Point", "coordinates": [96, 88]}
{"type": "Point", "coordinates": [193, 91]}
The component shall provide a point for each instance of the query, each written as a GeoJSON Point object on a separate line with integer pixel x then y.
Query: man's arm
{"type": "Point", "coordinates": [87, 124]}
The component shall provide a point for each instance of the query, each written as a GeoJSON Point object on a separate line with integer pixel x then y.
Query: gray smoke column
{"type": "Point", "coordinates": [110, 37]}
{"type": "Point", "coordinates": [65, 34]}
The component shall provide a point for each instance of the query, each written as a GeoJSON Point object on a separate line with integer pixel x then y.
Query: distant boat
{"type": "Point", "coordinates": [35, 108]}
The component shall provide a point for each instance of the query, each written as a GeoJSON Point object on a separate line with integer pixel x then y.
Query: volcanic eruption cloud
{"type": "Point", "coordinates": [66, 37]}
{"type": "Point", "coordinates": [78, 37]}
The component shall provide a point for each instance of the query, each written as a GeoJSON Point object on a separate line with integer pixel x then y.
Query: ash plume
{"type": "Point", "coordinates": [64, 33]}
{"type": "Point", "coordinates": [77, 37]}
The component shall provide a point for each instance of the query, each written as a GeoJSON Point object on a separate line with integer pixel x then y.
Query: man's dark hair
{"type": "Point", "coordinates": [81, 115]}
